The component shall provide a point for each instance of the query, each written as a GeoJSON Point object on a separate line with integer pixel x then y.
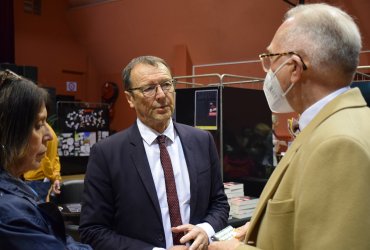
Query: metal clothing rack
{"type": "Point", "coordinates": [222, 80]}
{"type": "Point", "coordinates": [361, 76]}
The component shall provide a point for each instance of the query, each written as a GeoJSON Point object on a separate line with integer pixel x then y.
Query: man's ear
{"type": "Point", "coordinates": [297, 70]}
{"type": "Point", "coordinates": [130, 99]}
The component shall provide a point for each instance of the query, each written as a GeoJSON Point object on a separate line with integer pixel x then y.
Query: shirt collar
{"type": "Point", "coordinates": [149, 135]}
{"type": "Point", "coordinates": [314, 109]}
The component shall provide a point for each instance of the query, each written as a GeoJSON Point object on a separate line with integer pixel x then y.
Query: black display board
{"type": "Point", "coordinates": [247, 149]}
{"type": "Point", "coordinates": [80, 126]}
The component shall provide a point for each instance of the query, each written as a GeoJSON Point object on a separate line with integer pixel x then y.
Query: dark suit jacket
{"type": "Point", "coordinates": [121, 209]}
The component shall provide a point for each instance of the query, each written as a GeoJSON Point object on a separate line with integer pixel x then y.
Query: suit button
{"type": "Point", "coordinates": [160, 237]}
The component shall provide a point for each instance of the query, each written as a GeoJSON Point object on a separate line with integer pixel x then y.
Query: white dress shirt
{"type": "Point", "coordinates": [314, 109]}
{"type": "Point", "coordinates": [180, 171]}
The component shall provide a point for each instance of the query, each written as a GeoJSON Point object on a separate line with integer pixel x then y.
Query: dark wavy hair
{"type": "Point", "coordinates": [20, 103]}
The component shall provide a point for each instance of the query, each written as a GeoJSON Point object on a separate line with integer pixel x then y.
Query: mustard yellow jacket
{"type": "Point", "coordinates": [318, 196]}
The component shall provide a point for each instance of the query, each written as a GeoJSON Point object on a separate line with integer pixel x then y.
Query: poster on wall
{"type": "Point", "coordinates": [79, 143]}
{"type": "Point", "coordinates": [206, 109]}
{"type": "Point", "coordinates": [80, 126]}
{"type": "Point", "coordinates": [81, 117]}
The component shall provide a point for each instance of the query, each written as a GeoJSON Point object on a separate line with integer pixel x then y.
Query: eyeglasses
{"type": "Point", "coordinates": [8, 75]}
{"type": "Point", "coordinates": [266, 60]}
{"type": "Point", "coordinates": [151, 89]}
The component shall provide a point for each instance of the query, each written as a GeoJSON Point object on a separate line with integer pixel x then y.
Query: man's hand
{"type": "Point", "coordinates": [179, 247]}
{"type": "Point", "coordinates": [194, 235]}
{"type": "Point", "coordinates": [241, 231]}
{"type": "Point", "coordinates": [224, 245]}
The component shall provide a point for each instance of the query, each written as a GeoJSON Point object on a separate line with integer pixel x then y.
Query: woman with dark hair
{"type": "Point", "coordinates": [25, 222]}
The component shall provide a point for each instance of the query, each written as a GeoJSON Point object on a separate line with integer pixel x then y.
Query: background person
{"type": "Point", "coordinates": [125, 200]}
{"type": "Point", "coordinates": [317, 197]}
{"type": "Point", "coordinates": [25, 223]}
{"type": "Point", "coordinates": [48, 174]}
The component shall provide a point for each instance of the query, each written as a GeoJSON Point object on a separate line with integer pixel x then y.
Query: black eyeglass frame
{"type": "Point", "coordinates": [148, 87]}
{"type": "Point", "coordinates": [261, 56]}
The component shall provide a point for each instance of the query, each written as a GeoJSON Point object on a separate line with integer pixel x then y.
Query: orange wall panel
{"type": "Point", "coordinates": [93, 43]}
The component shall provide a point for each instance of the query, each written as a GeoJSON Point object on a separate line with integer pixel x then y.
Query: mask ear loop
{"type": "Point", "coordinates": [287, 91]}
{"type": "Point", "coordinates": [282, 65]}
{"type": "Point", "coordinates": [292, 84]}
{"type": "Point", "coordinates": [277, 70]}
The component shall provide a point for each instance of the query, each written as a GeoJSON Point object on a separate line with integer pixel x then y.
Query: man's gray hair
{"type": "Point", "coordinates": [149, 60]}
{"type": "Point", "coordinates": [328, 36]}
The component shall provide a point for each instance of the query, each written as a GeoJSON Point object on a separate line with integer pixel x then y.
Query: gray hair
{"type": "Point", "coordinates": [328, 36]}
{"type": "Point", "coordinates": [150, 60]}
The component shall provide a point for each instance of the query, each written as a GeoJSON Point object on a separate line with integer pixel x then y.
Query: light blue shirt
{"type": "Point", "coordinates": [180, 171]}
{"type": "Point", "coordinates": [314, 109]}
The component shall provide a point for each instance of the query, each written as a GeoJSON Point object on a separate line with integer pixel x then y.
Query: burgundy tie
{"type": "Point", "coordinates": [172, 199]}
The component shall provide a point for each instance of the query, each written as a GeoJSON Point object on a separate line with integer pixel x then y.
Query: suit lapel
{"type": "Point", "coordinates": [142, 166]}
{"type": "Point", "coordinates": [187, 146]}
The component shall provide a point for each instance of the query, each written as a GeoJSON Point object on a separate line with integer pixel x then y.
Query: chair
{"type": "Point", "coordinates": [70, 193]}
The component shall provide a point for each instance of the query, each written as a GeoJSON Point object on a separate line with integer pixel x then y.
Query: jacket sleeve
{"type": "Point", "coordinates": [22, 226]}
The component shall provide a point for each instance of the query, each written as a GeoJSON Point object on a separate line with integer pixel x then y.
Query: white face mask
{"type": "Point", "coordinates": [275, 96]}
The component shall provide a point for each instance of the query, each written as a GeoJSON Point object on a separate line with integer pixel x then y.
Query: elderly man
{"type": "Point", "coordinates": [318, 196]}
{"type": "Point", "coordinates": [158, 183]}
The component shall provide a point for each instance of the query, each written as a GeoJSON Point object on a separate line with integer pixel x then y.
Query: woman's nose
{"type": "Point", "coordinates": [47, 136]}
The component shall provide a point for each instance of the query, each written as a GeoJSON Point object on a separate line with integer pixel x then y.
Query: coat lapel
{"type": "Point", "coordinates": [140, 161]}
{"type": "Point", "coordinates": [187, 146]}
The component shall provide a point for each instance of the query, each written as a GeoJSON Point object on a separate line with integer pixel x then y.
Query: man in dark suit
{"type": "Point", "coordinates": [126, 202]}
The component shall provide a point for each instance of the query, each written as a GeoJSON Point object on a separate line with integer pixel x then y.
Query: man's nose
{"type": "Point", "coordinates": [159, 91]}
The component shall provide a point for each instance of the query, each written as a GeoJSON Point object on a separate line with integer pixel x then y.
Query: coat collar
{"type": "Point", "coordinates": [187, 142]}
{"type": "Point", "coordinates": [141, 163]}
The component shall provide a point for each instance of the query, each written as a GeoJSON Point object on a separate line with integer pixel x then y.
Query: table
{"type": "Point", "coordinates": [71, 212]}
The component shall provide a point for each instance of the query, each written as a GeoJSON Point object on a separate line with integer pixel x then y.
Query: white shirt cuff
{"type": "Point", "coordinates": [208, 228]}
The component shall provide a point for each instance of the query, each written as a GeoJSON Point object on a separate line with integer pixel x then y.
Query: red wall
{"type": "Point", "coordinates": [46, 41]}
{"type": "Point", "coordinates": [91, 45]}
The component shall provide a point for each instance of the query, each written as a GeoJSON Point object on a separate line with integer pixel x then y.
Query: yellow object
{"type": "Point", "coordinates": [50, 165]}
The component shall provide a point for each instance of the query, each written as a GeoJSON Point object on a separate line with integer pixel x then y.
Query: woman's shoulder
{"type": "Point", "coordinates": [13, 207]}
